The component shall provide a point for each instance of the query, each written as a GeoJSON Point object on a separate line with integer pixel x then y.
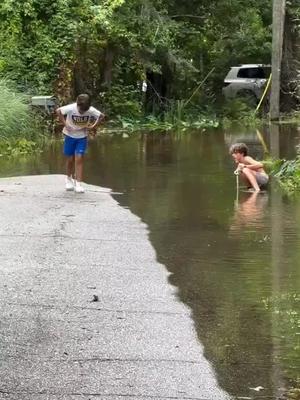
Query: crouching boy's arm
{"type": "Point", "coordinates": [251, 164]}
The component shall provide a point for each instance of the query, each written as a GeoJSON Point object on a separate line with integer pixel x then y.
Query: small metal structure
{"type": "Point", "coordinates": [47, 103]}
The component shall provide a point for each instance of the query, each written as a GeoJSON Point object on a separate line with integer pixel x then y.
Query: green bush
{"type": "Point", "coordinates": [287, 173]}
{"type": "Point", "coordinates": [15, 147]}
{"type": "Point", "coordinates": [239, 111]}
{"type": "Point", "coordinates": [123, 100]}
{"type": "Point", "coordinates": [21, 130]}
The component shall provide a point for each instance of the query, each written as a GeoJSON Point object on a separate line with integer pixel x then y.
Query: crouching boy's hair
{"type": "Point", "coordinates": [239, 148]}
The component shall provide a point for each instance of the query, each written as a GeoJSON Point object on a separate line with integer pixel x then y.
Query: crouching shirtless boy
{"type": "Point", "coordinates": [250, 170]}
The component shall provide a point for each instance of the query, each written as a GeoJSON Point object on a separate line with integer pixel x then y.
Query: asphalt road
{"type": "Point", "coordinates": [86, 311]}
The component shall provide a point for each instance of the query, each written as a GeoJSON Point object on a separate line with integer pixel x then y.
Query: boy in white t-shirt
{"type": "Point", "coordinates": [79, 119]}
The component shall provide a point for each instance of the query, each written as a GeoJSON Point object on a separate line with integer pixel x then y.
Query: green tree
{"type": "Point", "coordinates": [107, 46]}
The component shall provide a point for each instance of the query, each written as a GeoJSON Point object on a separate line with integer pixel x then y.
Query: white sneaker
{"type": "Point", "coordinates": [79, 188]}
{"type": "Point", "coordinates": [69, 184]}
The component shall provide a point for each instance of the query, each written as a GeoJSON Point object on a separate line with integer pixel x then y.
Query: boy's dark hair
{"type": "Point", "coordinates": [239, 148]}
{"type": "Point", "coordinates": [83, 101]}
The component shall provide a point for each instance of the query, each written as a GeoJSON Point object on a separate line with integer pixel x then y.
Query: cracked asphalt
{"type": "Point", "coordinates": [86, 311]}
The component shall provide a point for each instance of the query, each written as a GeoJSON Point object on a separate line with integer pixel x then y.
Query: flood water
{"type": "Point", "coordinates": [234, 258]}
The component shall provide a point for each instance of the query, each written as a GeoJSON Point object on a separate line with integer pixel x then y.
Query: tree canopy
{"type": "Point", "coordinates": [107, 47]}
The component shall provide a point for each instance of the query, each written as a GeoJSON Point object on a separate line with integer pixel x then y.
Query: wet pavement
{"type": "Point", "coordinates": [86, 310]}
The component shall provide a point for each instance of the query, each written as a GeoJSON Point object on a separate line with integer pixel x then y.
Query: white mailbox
{"type": "Point", "coordinates": [48, 103]}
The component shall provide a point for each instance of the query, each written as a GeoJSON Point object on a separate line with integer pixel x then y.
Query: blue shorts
{"type": "Point", "coordinates": [74, 146]}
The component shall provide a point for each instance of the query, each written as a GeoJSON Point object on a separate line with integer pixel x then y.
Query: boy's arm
{"type": "Point", "coordinates": [61, 113]}
{"type": "Point", "coordinates": [98, 121]}
{"type": "Point", "coordinates": [61, 117]}
{"type": "Point", "coordinates": [252, 164]}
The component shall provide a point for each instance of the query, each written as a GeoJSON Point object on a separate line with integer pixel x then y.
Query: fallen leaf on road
{"type": "Point", "coordinates": [258, 388]}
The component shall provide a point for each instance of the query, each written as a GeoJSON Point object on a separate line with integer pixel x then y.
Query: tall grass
{"type": "Point", "coordinates": [286, 172]}
{"type": "Point", "coordinates": [16, 118]}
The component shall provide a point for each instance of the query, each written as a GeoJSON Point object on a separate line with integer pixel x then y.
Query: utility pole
{"type": "Point", "coordinates": [277, 45]}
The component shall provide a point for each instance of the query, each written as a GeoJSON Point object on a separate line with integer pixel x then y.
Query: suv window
{"type": "Point", "coordinates": [252, 73]}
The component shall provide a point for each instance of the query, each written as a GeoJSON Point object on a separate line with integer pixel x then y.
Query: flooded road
{"type": "Point", "coordinates": [233, 259]}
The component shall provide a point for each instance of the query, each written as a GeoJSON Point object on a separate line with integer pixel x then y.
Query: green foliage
{"type": "Point", "coordinates": [237, 110]}
{"type": "Point", "coordinates": [107, 46]}
{"type": "Point", "coordinates": [272, 166]}
{"type": "Point", "coordinates": [287, 173]}
{"type": "Point", "coordinates": [20, 128]}
{"type": "Point", "coordinates": [16, 118]}
{"type": "Point", "coordinates": [123, 100]}
{"type": "Point", "coordinates": [16, 147]}
{"type": "Point", "coordinates": [152, 123]}
{"type": "Point", "coordinates": [182, 116]}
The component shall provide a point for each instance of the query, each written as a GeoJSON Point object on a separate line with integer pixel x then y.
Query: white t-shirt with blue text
{"type": "Point", "coordinates": [77, 123]}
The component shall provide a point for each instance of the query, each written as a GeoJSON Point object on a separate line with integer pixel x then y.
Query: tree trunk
{"type": "Point", "coordinates": [108, 66]}
{"type": "Point", "coordinates": [80, 69]}
{"type": "Point", "coordinates": [278, 29]}
{"type": "Point", "coordinates": [290, 95]}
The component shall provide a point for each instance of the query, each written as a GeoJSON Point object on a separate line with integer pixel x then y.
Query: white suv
{"type": "Point", "coordinates": [246, 81]}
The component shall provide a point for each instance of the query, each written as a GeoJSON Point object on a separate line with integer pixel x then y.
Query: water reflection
{"type": "Point", "coordinates": [235, 264]}
{"type": "Point", "coordinates": [249, 213]}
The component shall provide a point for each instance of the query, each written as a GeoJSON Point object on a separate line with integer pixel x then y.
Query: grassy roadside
{"type": "Point", "coordinates": [21, 131]}
{"type": "Point", "coordinates": [287, 173]}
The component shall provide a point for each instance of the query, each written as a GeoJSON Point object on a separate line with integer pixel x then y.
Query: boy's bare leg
{"type": "Point", "coordinates": [251, 177]}
{"type": "Point", "coordinates": [79, 167]}
{"type": "Point", "coordinates": [70, 166]}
